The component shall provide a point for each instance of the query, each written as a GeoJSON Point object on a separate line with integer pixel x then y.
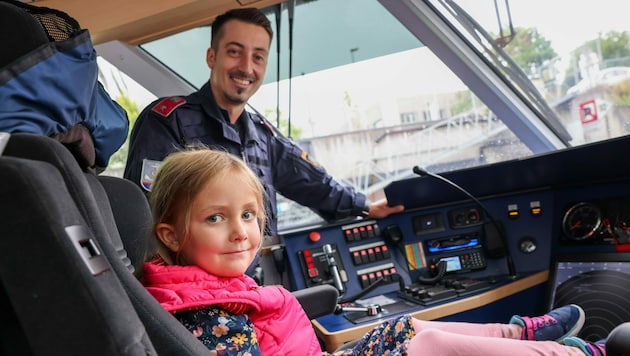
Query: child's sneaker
{"type": "Point", "coordinates": [555, 325]}
{"type": "Point", "coordinates": [589, 348]}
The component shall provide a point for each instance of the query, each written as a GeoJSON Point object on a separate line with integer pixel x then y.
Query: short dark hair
{"type": "Point", "coordinates": [250, 15]}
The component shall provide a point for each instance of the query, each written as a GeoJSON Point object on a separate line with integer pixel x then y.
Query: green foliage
{"type": "Point", "coordinates": [620, 93]}
{"type": "Point", "coordinates": [296, 132]}
{"type": "Point", "coordinates": [530, 50]}
{"type": "Point", "coordinates": [119, 158]}
{"type": "Point", "coordinates": [613, 47]}
{"type": "Point", "coordinates": [463, 103]}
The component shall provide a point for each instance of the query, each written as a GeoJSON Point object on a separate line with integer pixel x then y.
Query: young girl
{"type": "Point", "coordinates": [208, 219]}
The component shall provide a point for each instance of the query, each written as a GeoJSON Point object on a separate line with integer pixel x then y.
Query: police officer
{"type": "Point", "coordinates": [216, 117]}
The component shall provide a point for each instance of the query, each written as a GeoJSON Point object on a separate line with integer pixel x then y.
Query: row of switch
{"type": "Point", "coordinates": [365, 279]}
{"type": "Point", "coordinates": [370, 254]}
{"type": "Point", "coordinates": [361, 232]}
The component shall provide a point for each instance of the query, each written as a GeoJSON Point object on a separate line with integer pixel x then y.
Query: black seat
{"type": "Point", "coordinates": [168, 336]}
{"type": "Point", "coordinates": [114, 208]}
{"type": "Point", "coordinates": [59, 294]}
{"type": "Point", "coordinates": [132, 216]}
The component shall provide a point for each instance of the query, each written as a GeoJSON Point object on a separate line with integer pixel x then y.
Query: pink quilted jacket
{"type": "Point", "coordinates": [282, 327]}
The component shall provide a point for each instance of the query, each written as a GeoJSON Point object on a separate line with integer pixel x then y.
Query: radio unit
{"type": "Point", "coordinates": [468, 261]}
{"type": "Point", "coordinates": [453, 243]}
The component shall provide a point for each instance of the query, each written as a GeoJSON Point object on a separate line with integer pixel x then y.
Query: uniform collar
{"type": "Point", "coordinates": [205, 98]}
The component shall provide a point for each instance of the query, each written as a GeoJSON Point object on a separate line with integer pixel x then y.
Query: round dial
{"type": "Point", "coordinates": [581, 221]}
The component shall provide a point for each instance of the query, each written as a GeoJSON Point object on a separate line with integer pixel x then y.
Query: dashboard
{"type": "Point", "coordinates": [446, 246]}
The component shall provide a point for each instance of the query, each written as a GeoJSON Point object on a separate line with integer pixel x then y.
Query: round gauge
{"type": "Point", "coordinates": [581, 221]}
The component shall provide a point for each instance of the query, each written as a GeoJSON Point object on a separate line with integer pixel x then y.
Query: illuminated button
{"type": "Point", "coordinates": [313, 272]}
{"type": "Point", "coordinates": [356, 257]}
{"type": "Point", "coordinates": [385, 252]}
{"type": "Point", "coordinates": [378, 253]}
{"type": "Point", "coordinates": [314, 236]}
{"type": "Point", "coordinates": [534, 208]}
{"type": "Point", "coordinates": [371, 256]}
{"type": "Point", "coordinates": [364, 257]}
{"type": "Point", "coordinates": [513, 211]}
{"type": "Point", "coordinates": [364, 281]}
{"type": "Point", "coordinates": [348, 234]}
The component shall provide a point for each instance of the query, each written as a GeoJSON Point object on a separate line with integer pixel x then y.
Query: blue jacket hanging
{"type": "Point", "coordinates": [55, 87]}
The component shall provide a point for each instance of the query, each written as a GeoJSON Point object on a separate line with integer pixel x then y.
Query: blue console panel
{"type": "Point", "coordinates": [445, 246]}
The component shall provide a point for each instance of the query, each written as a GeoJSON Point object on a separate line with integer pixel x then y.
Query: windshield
{"type": "Point", "coordinates": [372, 88]}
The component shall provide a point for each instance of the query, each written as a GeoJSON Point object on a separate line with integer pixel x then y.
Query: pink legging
{"type": "Point", "coordinates": [437, 338]}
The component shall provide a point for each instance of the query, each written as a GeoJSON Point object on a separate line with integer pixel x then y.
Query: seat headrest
{"type": "Point", "coordinates": [57, 25]}
{"type": "Point", "coordinates": [16, 20]}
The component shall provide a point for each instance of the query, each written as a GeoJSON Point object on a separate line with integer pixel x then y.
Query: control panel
{"type": "Point", "coordinates": [597, 221]}
{"type": "Point", "coordinates": [321, 265]}
{"type": "Point", "coordinates": [419, 258]}
{"type": "Point", "coordinates": [385, 256]}
{"type": "Point", "coordinates": [445, 247]}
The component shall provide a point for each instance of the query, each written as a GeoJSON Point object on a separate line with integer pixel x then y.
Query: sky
{"type": "Point", "coordinates": [567, 24]}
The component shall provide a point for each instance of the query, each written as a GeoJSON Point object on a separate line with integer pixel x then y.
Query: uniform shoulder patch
{"type": "Point", "coordinates": [167, 105]}
{"type": "Point", "coordinates": [149, 168]}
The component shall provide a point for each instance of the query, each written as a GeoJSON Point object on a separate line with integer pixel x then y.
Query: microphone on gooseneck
{"type": "Point", "coordinates": [499, 229]}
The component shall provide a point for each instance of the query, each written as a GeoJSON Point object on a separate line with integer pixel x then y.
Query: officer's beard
{"type": "Point", "coordinates": [240, 92]}
{"type": "Point", "coordinates": [237, 99]}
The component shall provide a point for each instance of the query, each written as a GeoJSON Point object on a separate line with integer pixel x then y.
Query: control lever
{"type": "Point", "coordinates": [333, 269]}
{"type": "Point", "coordinates": [371, 309]}
{"type": "Point", "coordinates": [441, 270]}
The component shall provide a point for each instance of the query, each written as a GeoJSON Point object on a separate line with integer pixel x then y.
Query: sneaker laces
{"type": "Point", "coordinates": [534, 323]}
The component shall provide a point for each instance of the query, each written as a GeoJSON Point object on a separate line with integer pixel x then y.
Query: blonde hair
{"type": "Point", "coordinates": [182, 175]}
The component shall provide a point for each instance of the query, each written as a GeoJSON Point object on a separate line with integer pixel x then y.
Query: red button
{"type": "Point", "coordinates": [314, 236]}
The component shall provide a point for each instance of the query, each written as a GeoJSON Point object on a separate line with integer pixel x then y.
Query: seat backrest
{"type": "Point", "coordinates": [168, 336]}
{"type": "Point", "coordinates": [58, 293]}
{"type": "Point", "coordinates": [132, 216]}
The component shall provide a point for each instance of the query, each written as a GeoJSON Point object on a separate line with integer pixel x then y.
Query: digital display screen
{"type": "Point", "coordinates": [452, 263]}
{"type": "Point", "coordinates": [452, 244]}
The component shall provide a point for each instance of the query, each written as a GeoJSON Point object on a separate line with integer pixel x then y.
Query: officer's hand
{"type": "Point", "coordinates": [379, 209]}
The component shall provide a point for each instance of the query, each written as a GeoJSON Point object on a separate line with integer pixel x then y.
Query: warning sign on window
{"type": "Point", "coordinates": [588, 111]}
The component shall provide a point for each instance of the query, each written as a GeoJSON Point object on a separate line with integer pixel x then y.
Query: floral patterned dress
{"type": "Point", "coordinates": [234, 334]}
{"type": "Point", "coordinates": [228, 334]}
{"type": "Point", "coordinates": [389, 338]}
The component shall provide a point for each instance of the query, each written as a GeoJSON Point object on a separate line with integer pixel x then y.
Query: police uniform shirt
{"type": "Point", "coordinates": [170, 124]}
